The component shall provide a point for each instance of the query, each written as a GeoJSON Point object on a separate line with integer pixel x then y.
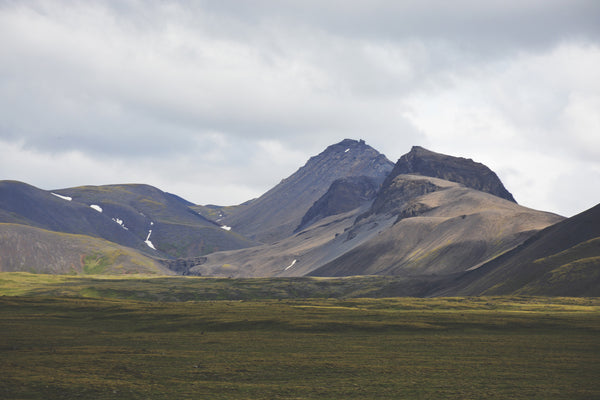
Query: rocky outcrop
{"type": "Point", "coordinates": [420, 161]}
{"type": "Point", "coordinates": [394, 197]}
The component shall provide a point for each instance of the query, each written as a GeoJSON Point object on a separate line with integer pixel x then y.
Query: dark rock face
{"type": "Point", "coordinates": [394, 197]}
{"type": "Point", "coordinates": [420, 161]}
{"type": "Point", "coordinates": [344, 195]}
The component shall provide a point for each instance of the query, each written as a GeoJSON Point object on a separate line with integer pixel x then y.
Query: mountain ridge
{"type": "Point", "coordinates": [444, 225]}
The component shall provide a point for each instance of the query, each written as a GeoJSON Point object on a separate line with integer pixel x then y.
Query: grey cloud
{"type": "Point", "coordinates": [468, 22]}
{"type": "Point", "coordinates": [230, 86]}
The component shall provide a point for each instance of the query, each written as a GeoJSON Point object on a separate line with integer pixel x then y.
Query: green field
{"type": "Point", "coordinates": [67, 346]}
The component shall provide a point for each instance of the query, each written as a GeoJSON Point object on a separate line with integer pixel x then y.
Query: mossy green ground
{"type": "Point", "coordinates": [71, 347]}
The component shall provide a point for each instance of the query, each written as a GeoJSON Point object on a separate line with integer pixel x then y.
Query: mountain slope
{"type": "Point", "coordinates": [137, 216]}
{"type": "Point", "coordinates": [296, 255]}
{"type": "Point", "coordinates": [21, 203]}
{"type": "Point", "coordinates": [30, 249]}
{"type": "Point", "coordinates": [561, 260]}
{"type": "Point", "coordinates": [276, 214]}
{"type": "Point", "coordinates": [438, 228]}
{"type": "Point", "coordinates": [166, 220]}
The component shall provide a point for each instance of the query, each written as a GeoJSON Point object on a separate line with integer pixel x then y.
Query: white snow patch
{"type": "Point", "coordinates": [67, 198]}
{"type": "Point", "coordinates": [291, 265]}
{"type": "Point", "coordinates": [120, 222]}
{"type": "Point", "coordinates": [227, 228]}
{"type": "Point", "coordinates": [347, 150]}
{"type": "Point", "coordinates": [96, 207]}
{"type": "Point", "coordinates": [148, 242]}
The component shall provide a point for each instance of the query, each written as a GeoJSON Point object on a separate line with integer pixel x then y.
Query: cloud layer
{"type": "Point", "coordinates": [218, 101]}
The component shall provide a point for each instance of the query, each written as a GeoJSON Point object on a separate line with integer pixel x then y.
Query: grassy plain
{"type": "Point", "coordinates": [65, 346]}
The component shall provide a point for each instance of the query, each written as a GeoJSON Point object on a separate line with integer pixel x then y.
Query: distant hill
{"type": "Point", "coordinates": [561, 260]}
{"type": "Point", "coordinates": [21, 203]}
{"type": "Point", "coordinates": [166, 220]}
{"type": "Point", "coordinates": [30, 249]}
{"type": "Point", "coordinates": [277, 213]}
{"type": "Point", "coordinates": [138, 216]}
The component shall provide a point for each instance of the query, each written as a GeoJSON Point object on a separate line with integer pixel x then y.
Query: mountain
{"type": "Point", "coordinates": [138, 216]}
{"type": "Point", "coordinates": [443, 225]}
{"type": "Point", "coordinates": [277, 213]}
{"type": "Point", "coordinates": [30, 249]}
{"type": "Point", "coordinates": [561, 260]}
{"type": "Point", "coordinates": [435, 227]}
{"type": "Point", "coordinates": [414, 225]}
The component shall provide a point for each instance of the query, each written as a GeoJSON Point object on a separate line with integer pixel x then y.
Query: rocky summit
{"type": "Point", "coordinates": [420, 161]}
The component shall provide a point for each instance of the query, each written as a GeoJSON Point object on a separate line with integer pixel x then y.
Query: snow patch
{"type": "Point", "coordinates": [148, 242]}
{"type": "Point", "coordinates": [67, 198]}
{"type": "Point", "coordinates": [291, 265]}
{"type": "Point", "coordinates": [96, 207]}
{"type": "Point", "coordinates": [120, 222]}
{"type": "Point", "coordinates": [227, 228]}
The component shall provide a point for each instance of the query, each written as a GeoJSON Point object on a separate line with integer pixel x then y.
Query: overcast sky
{"type": "Point", "coordinates": [217, 101]}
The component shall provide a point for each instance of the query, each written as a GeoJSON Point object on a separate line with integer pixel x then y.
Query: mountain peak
{"type": "Point", "coordinates": [278, 212]}
{"type": "Point", "coordinates": [349, 143]}
{"type": "Point", "coordinates": [421, 161]}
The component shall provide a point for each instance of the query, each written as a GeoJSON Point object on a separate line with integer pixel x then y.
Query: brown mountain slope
{"type": "Point", "coordinates": [440, 232]}
{"type": "Point", "coordinates": [276, 214]}
{"type": "Point", "coordinates": [447, 229]}
{"type": "Point", "coordinates": [561, 260]}
{"type": "Point", "coordinates": [293, 256]}
{"type": "Point", "coordinates": [30, 249]}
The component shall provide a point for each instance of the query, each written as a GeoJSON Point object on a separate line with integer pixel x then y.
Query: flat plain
{"type": "Point", "coordinates": [79, 343]}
